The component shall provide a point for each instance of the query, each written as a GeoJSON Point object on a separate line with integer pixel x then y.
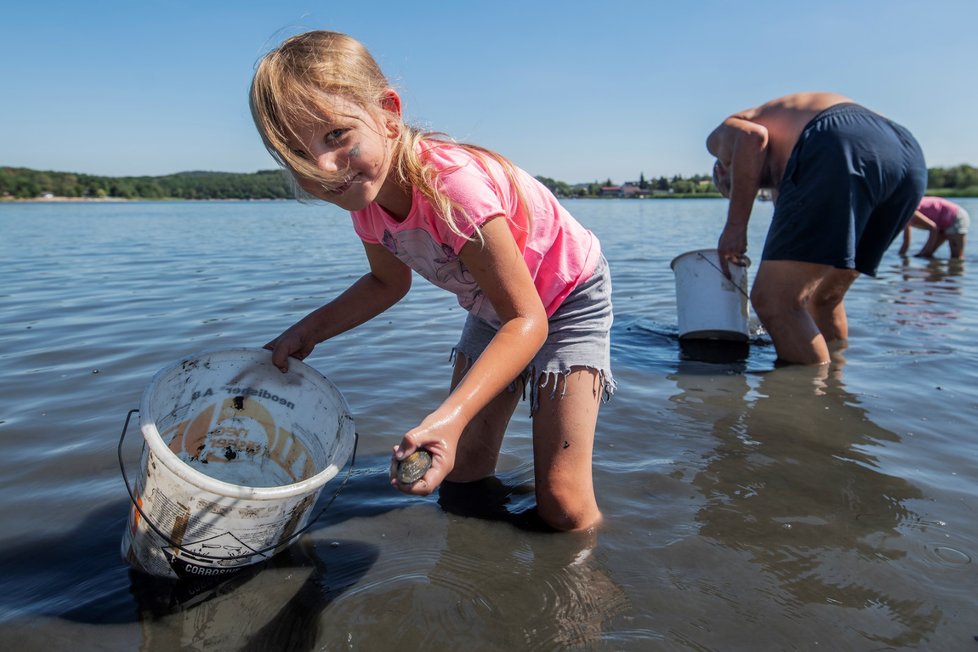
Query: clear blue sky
{"type": "Point", "coordinates": [577, 91]}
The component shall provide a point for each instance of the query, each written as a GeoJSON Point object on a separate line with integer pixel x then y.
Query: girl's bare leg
{"type": "Point", "coordinates": [957, 242]}
{"type": "Point", "coordinates": [563, 442]}
{"type": "Point", "coordinates": [478, 448]}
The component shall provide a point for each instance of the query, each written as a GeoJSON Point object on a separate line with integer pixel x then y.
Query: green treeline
{"type": "Point", "coordinates": [694, 186]}
{"type": "Point", "coordinates": [25, 183]}
{"type": "Point", "coordinates": [959, 181]}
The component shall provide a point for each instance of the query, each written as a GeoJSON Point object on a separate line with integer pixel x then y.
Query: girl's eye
{"type": "Point", "coordinates": [299, 153]}
{"type": "Point", "coordinates": [334, 135]}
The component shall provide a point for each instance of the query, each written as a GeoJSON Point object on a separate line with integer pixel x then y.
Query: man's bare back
{"type": "Point", "coordinates": [752, 149]}
{"type": "Point", "coordinates": [785, 118]}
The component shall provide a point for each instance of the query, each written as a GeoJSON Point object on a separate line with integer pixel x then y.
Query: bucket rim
{"type": "Point", "coordinates": [152, 438]}
{"type": "Point", "coordinates": [713, 250]}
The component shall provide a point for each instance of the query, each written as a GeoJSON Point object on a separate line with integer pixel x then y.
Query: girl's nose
{"type": "Point", "coordinates": [327, 162]}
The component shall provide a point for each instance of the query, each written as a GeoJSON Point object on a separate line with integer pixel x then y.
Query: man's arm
{"type": "Point", "coordinates": [741, 146]}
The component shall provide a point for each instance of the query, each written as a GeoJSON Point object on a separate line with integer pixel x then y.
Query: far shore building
{"type": "Point", "coordinates": [628, 189]}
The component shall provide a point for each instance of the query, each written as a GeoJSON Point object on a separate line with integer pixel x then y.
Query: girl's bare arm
{"type": "Point", "coordinates": [384, 285]}
{"type": "Point", "coordinates": [499, 269]}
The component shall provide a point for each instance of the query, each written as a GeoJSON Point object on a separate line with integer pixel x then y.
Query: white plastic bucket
{"type": "Point", "coordinates": [710, 306]}
{"type": "Point", "coordinates": [235, 454]}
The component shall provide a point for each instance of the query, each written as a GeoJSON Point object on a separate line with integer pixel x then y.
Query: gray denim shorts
{"type": "Point", "coordinates": [961, 223]}
{"type": "Point", "coordinates": [579, 336]}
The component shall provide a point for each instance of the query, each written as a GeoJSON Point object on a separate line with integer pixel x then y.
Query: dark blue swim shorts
{"type": "Point", "coordinates": [851, 184]}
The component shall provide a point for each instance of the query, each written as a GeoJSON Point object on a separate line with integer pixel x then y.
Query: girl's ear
{"type": "Point", "coordinates": [391, 103]}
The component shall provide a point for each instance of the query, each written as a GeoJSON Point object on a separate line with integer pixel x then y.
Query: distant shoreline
{"type": "Point", "coordinates": [25, 184]}
{"type": "Point", "coordinates": [935, 192]}
{"type": "Point", "coordinates": [118, 200]}
{"type": "Point", "coordinates": [57, 200]}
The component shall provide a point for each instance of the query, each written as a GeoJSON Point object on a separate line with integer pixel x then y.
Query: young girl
{"type": "Point", "coordinates": [533, 280]}
{"type": "Point", "coordinates": [944, 221]}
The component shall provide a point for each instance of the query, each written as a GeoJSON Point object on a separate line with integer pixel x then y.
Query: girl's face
{"type": "Point", "coordinates": [353, 149]}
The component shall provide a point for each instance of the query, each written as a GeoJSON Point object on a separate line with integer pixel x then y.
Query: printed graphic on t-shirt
{"type": "Point", "coordinates": [441, 266]}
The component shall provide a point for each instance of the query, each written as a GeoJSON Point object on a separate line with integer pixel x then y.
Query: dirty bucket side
{"type": "Point", "coordinates": [235, 455]}
{"type": "Point", "coordinates": [708, 305]}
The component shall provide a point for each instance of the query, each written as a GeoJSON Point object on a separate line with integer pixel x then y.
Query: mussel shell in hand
{"type": "Point", "coordinates": [414, 466]}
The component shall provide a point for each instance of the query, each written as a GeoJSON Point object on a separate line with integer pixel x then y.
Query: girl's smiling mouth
{"type": "Point", "coordinates": [346, 185]}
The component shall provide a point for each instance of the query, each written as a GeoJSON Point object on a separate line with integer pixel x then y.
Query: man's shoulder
{"type": "Point", "coordinates": [808, 103]}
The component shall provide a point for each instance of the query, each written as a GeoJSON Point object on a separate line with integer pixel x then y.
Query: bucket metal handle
{"type": "Point", "coordinates": [280, 544]}
{"type": "Point", "coordinates": [717, 268]}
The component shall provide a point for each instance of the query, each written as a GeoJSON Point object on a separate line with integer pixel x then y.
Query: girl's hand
{"type": "Point", "coordinates": [296, 342]}
{"type": "Point", "coordinates": [387, 282]}
{"type": "Point", "coordinates": [438, 439]}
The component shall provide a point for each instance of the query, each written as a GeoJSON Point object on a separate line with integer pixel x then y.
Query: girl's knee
{"type": "Point", "coordinates": [565, 521]}
{"type": "Point", "coordinates": [568, 513]}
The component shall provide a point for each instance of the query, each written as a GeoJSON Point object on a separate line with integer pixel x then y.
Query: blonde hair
{"type": "Point", "coordinates": [299, 82]}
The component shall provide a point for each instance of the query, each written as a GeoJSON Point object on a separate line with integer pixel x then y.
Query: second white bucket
{"type": "Point", "coordinates": [235, 455]}
{"type": "Point", "coordinates": [711, 306]}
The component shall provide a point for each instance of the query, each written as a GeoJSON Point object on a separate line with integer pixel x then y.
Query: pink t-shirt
{"type": "Point", "coordinates": [939, 210]}
{"type": "Point", "coordinates": [559, 252]}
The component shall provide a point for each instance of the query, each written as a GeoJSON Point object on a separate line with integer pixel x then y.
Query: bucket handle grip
{"type": "Point", "coordinates": [717, 268]}
{"type": "Point", "coordinates": [280, 544]}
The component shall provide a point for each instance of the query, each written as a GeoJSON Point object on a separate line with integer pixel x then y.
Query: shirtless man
{"type": "Point", "coordinates": [845, 181]}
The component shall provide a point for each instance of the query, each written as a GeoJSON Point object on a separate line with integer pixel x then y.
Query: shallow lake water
{"type": "Point", "coordinates": [746, 506]}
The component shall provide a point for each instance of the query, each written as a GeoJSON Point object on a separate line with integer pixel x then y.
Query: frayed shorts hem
{"type": "Point", "coordinates": [579, 338]}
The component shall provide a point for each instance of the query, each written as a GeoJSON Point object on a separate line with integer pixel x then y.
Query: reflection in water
{"type": "Point", "coordinates": [479, 567]}
{"type": "Point", "coordinates": [793, 482]}
{"type": "Point", "coordinates": [936, 270]}
{"type": "Point", "coordinates": [525, 591]}
{"type": "Point", "coordinates": [270, 606]}
{"type": "Point", "coordinates": [572, 596]}
{"type": "Point", "coordinates": [923, 299]}
{"type": "Point", "coordinates": [274, 606]}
